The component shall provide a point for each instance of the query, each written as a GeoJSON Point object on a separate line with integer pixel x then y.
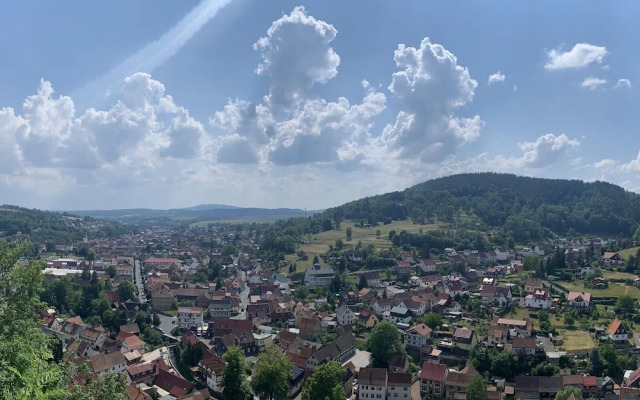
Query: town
{"type": "Point", "coordinates": [173, 311]}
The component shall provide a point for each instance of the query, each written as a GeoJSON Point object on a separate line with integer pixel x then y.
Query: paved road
{"type": "Point", "coordinates": [244, 298]}
{"type": "Point", "coordinates": [167, 323]}
{"type": "Point", "coordinates": [139, 281]}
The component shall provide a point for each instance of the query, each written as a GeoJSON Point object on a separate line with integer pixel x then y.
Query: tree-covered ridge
{"type": "Point", "coordinates": [527, 207]}
{"type": "Point", "coordinates": [43, 226]}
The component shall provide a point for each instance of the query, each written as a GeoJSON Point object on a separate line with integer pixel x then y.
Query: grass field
{"type": "Point", "coordinates": [628, 252]}
{"type": "Point", "coordinates": [319, 244]}
{"type": "Point", "coordinates": [614, 289]}
{"type": "Point", "coordinates": [618, 275]}
{"type": "Point", "coordinates": [577, 340]}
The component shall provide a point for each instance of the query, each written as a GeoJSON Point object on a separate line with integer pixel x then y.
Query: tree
{"type": "Point", "coordinates": [325, 383]}
{"type": "Point", "coordinates": [596, 367]}
{"type": "Point", "coordinates": [127, 291]}
{"type": "Point", "coordinates": [271, 374]}
{"type": "Point", "coordinates": [568, 391]}
{"type": "Point", "coordinates": [433, 320]}
{"type": "Point", "coordinates": [569, 321]}
{"type": "Point", "coordinates": [625, 305]}
{"type": "Point", "coordinates": [349, 234]}
{"type": "Point", "coordinates": [233, 374]}
{"type": "Point", "coordinates": [385, 341]}
{"type": "Point", "coordinates": [362, 282]}
{"type": "Point", "coordinates": [477, 389]}
{"type": "Point", "coordinates": [156, 320]}
{"type": "Point", "coordinates": [316, 260]}
{"type": "Point", "coordinates": [111, 271]}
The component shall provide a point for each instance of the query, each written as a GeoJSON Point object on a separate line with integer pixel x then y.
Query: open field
{"type": "Point", "coordinates": [628, 252]}
{"type": "Point", "coordinates": [618, 275]}
{"type": "Point", "coordinates": [614, 289]}
{"type": "Point", "coordinates": [319, 244]}
{"type": "Point", "coordinates": [577, 340]}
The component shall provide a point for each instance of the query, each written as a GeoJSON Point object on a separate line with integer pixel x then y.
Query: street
{"type": "Point", "coordinates": [167, 323]}
{"type": "Point", "coordinates": [244, 298]}
{"type": "Point", "coordinates": [139, 281]}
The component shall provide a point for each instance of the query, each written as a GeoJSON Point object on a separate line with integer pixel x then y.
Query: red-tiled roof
{"type": "Point", "coordinates": [433, 372]}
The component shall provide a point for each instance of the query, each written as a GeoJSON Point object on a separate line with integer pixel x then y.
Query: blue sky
{"type": "Point", "coordinates": [292, 104]}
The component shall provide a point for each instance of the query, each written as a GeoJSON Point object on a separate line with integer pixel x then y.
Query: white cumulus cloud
{"type": "Point", "coordinates": [581, 55]}
{"type": "Point", "coordinates": [496, 78]}
{"type": "Point", "coordinates": [546, 150]}
{"type": "Point", "coordinates": [432, 87]}
{"type": "Point", "coordinates": [623, 83]}
{"type": "Point", "coordinates": [593, 82]}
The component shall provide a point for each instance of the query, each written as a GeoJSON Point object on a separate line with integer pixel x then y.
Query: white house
{"type": "Point", "coordinates": [398, 315]}
{"type": "Point", "coordinates": [539, 299]}
{"type": "Point", "coordinates": [417, 336]}
{"type": "Point", "coordinates": [579, 300]}
{"type": "Point", "coordinates": [428, 266]}
{"type": "Point", "coordinates": [617, 332]}
{"type": "Point", "coordinates": [212, 368]}
{"type": "Point", "coordinates": [345, 316]}
{"type": "Point", "coordinates": [190, 317]}
{"type": "Point", "coordinates": [318, 276]}
{"type": "Point", "coordinates": [501, 254]}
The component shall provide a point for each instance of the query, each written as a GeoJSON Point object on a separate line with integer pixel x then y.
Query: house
{"type": "Point", "coordinates": [355, 256]}
{"type": "Point", "coordinates": [345, 316]}
{"type": "Point", "coordinates": [173, 384]}
{"type": "Point", "coordinates": [399, 385]}
{"type": "Point", "coordinates": [465, 339]}
{"type": "Point", "coordinates": [539, 299]}
{"type": "Point", "coordinates": [432, 380]}
{"type": "Point", "coordinates": [289, 341]}
{"type": "Point", "coordinates": [523, 346]}
{"type": "Point", "coordinates": [533, 284]}
{"type": "Point", "coordinates": [417, 336]}
{"type": "Point", "coordinates": [630, 387]}
{"type": "Point", "coordinates": [341, 349]}
{"type": "Point", "coordinates": [398, 315]}
{"type": "Point", "coordinates": [497, 335]}
{"type": "Point", "coordinates": [190, 317]}
{"type": "Point", "coordinates": [617, 332]}
{"type": "Point", "coordinates": [382, 305]}
{"type": "Point", "coordinates": [496, 295]}
{"type": "Point", "coordinates": [428, 266]}
{"type": "Point", "coordinates": [430, 281]}
{"type": "Point", "coordinates": [501, 254]}
{"type": "Point", "coordinates": [104, 364]}
{"type": "Point", "coordinates": [259, 313]}
{"type": "Point", "coordinates": [220, 308]}
{"type": "Point", "coordinates": [162, 299]}
{"type": "Point", "coordinates": [522, 325]}
{"type": "Point", "coordinates": [579, 300]}
{"type": "Point", "coordinates": [611, 258]}
{"type": "Point", "coordinates": [372, 383]}
{"type": "Point", "coordinates": [403, 268]}
{"type": "Point", "coordinates": [367, 318]}
{"type": "Point", "coordinates": [132, 343]}
{"type": "Point", "coordinates": [211, 367]}
{"type": "Point", "coordinates": [94, 336]}
{"type": "Point", "coordinates": [407, 256]}
{"type": "Point", "coordinates": [373, 278]}
{"type": "Point", "coordinates": [318, 276]}
{"type": "Point", "coordinates": [457, 382]}
{"type": "Point", "coordinates": [538, 387]}
{"type": "Point", "coordinates": [309, 328]}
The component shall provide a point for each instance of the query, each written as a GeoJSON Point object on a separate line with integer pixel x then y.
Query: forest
{"type": "Point", "coordinates": [41, 226]}
{"type": "Point", "coordinates": [527, 208]}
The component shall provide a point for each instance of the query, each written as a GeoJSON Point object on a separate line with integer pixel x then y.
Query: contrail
{"type": "Point", "coordinates": [152, 55]}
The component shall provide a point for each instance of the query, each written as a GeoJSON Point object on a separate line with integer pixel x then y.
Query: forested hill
{"type": "Point", "coordinates": [526, 207]}
{"type": "Point", "coordinates": [40, 226]}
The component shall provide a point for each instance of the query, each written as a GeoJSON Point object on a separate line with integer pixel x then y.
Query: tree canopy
{"type": "Point", "coordinates": [325, 383]}
{"type": "Point", "coordinates": [233, 375]}
{"type": "Point", "coordinates": [271, 374]}
{"type": "Point", "coordinates": [385, 341]}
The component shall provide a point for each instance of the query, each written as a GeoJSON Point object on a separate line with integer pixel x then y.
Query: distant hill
{"type": "Point", "coordinates": [199, 213]}
{"type": "Point", "coordinates": [40, 226]}
{"type": "Point", "coordinates": [526, 208]}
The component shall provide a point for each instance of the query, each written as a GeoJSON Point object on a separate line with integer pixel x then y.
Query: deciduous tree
{"type": "Point", "coordinates": [271, 374]}
{"type": "Point", "coordinates": [325, 383]}
{"type": "Point", "coordinates": [385, 341]}
{"type": "Point", "coordinates": [233, 375]}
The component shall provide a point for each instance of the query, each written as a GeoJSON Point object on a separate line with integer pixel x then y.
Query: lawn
{"type": "Point", "coordinates": [577, 340]}
{"type": "Point", "coordinates": [614, 289]}
{"type": "Point", "coordinates": [618, 275]}
{"type": "Point", "coordinates": [628, 252]}
{"type": "Point", "coordinates": [318, 244]}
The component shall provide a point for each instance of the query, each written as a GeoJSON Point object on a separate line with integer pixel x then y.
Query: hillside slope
{"type": "Point", "coordinates": [522, 206]}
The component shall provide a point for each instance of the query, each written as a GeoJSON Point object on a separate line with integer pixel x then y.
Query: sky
{"type": "Point", "coordinates": [165, 104]}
